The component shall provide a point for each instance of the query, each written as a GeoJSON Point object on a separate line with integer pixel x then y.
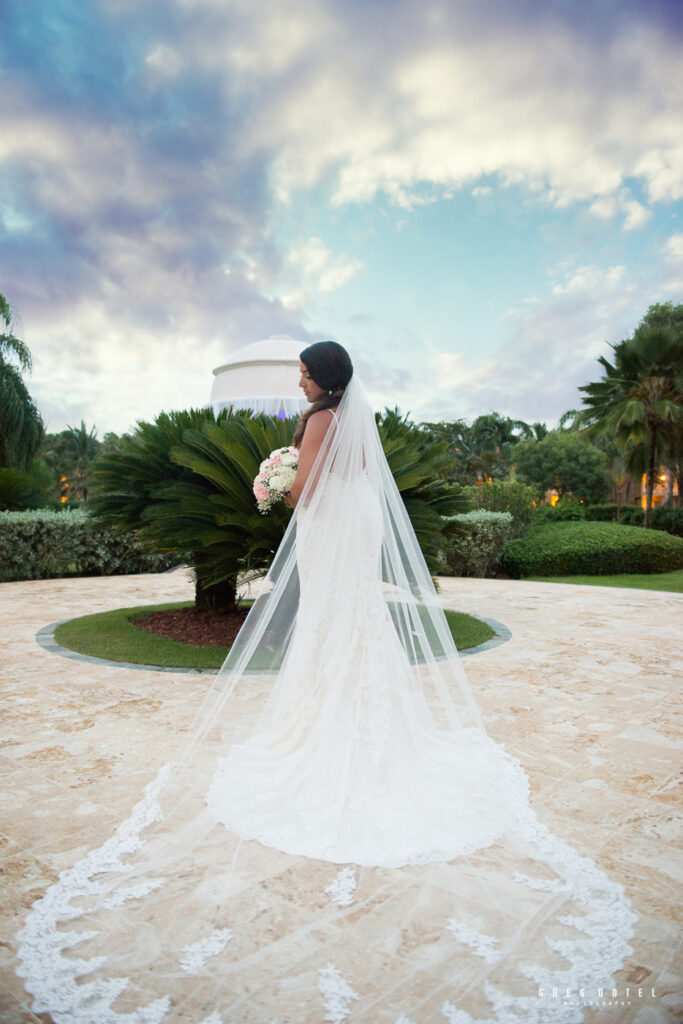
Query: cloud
{"type": "Point", "coordinates": [319, 268]}
{"type": "Point", "coordinates": [636, 215]}
{"type": "Point", "coordinates": [604, 208]}
{"type": "Point", "coordinates": [551, 348]}
{"type": "Point", "coordinates": [461, 96]}
{"type": "Point", "coordinates": [607, 207]}
{"type": "Point", "coordinates": [674, 247]}
{"type": "Point", "coordinates": [147, 151]}
{"type": "Point", "coordinates": [590, 280]}
{"type": "Point", "coordinates": [671, 276]}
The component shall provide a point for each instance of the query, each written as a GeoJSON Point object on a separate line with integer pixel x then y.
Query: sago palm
{"type": "Point", "coordinates": [184, 483]}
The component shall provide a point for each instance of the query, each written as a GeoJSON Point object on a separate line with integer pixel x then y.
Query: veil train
{"type": "Point", "coordinates": [338, 839]}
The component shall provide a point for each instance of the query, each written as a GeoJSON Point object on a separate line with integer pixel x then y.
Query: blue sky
{"type": "Point", "coordinates": [476, 198]}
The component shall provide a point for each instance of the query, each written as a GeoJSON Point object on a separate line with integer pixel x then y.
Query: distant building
{"type": "Point", "coordinates": [263, 377]}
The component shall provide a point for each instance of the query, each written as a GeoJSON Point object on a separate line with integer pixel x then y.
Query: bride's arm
{"type": "Point", "coordinates": [316, 428]}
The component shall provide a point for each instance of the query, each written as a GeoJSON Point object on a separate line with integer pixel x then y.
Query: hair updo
{"type": "Point", "coordinates": [330, 366]}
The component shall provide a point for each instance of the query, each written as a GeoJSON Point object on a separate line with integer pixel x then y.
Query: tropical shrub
{"type": "Point", "coordinates": [565, 462]}
{"type": "Point", "coordinates": [184, 483]}
{"type": "Point", "coordinates": [26, 488]}
{"type": "Point", "coordinates": [668, 519]}
{"type": "Point", "coordinates": [512, 496]}
{"type": "Point", "coordinates": [44, 544]}
{"type": "Point", "coordinates": [592, 549]}
{"type": "Point", "coordinates": [477, 549]}
{"type": "Point", "coordinates": [562, 511]}
{"type": "Point", "coordinates": [609, 512]}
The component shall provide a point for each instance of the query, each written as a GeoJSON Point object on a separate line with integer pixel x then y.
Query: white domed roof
{"type": "Point", "coordinates": [262, 376]}
{"type": "Point", "coordinates": [279, 348]}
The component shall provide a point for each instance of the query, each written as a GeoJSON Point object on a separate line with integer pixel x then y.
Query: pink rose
{"type": "Point", "coordinates": [276, 460]}
{"type": "Point", "coordinates": [261, 492]}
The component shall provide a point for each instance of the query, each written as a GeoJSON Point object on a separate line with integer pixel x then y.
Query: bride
{"type": "Point", "coordinates": [340, 731]}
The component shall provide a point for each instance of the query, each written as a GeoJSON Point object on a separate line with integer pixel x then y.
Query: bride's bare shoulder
{"type": "Point", "coordinates": [317, 426]}
{"type": "Point", "coordinates": [321, 419]}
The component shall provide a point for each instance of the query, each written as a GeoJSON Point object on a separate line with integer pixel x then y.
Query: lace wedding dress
{"type": "Point", "coordinates": [340, 731]}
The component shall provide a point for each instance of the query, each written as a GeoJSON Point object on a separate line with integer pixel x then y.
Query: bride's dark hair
{"type": "Point", "coordinates": [330, 366]}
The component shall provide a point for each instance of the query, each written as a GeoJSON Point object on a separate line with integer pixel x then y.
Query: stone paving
{"type": "Point", "coordinates": [584, 693]}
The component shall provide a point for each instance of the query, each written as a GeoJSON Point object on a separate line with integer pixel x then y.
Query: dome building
{"type": "Point", "coordinates": [263, 377]}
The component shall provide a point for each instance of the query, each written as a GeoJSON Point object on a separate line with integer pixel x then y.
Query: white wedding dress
{"type": "Point", "coordinates": [341, 731]}
{"type": "Point", "coordinates": [349, 765]}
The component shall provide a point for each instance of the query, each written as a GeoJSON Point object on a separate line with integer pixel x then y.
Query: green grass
{"type": "Point", "coordinates": [114, 636]}
{"type": "Point", "coordinates": [467, 631]}
{"type": "Point", "coordinates": [671, 581]}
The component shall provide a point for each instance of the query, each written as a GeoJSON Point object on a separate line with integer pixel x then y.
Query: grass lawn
{"type": "Point", "coordinates": [114, 635]}
{"type": "Point", "coordinates": [672, 581]}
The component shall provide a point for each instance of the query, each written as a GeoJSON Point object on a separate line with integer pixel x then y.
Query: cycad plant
{"type": "Point", "coordinates": [639, 397]}
{"type": "Point", "coordinates": [184, 484]}
{"type": "Point", "coordinates": [171, 485]}
{"type": "Point", "coordinates": [212, 511]}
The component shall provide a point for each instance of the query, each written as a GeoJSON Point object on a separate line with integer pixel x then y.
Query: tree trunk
{"type": "Point", "coordinates": [221, 597]}
{"type": "Point", "coordinates": [651, 472]}
{"type": "Point", "coordinates": [668, 499]}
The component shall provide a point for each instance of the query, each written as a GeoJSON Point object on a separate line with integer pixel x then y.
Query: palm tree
{"type": "Point", "coordinates": [621, 473]}
{"type": "Point", "coordinates": [10, 345]}
{"type": "Point", "coordinates": [539, 430]}
{"type": "Point", "coordinates": [80, 450]}
{"type": "Point", "coordinates": [639, 395]}
{"type": "Point", "coordinates": [21, 425]}
{"type": "Point", "coordinates": [484, 449]}
{"type": "Point", "coordinates": [672, 456]}
{"type": "Point", "coordinates": [571, 419]}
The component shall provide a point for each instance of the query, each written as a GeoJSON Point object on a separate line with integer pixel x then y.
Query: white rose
{"type": "Point", "coordinates": [278, 482]}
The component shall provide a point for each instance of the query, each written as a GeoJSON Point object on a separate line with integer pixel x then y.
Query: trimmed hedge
{"type": "Point", "coordinates": [477, 550]}
{"type": "Point", "coordinates": [566, 510]}
{"type": "Point", "coordinates": [668, 519]}
{"type": "Point", "coordinates": [591, 549]}
{"type": "Point", "coordinates": [42, 544]}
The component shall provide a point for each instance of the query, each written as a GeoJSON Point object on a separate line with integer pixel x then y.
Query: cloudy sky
{"type": "Point", "coordinates": [475, 197]}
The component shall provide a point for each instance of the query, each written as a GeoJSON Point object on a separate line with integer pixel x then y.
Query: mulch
{"type": "Point", "coordinates": [191, 626]}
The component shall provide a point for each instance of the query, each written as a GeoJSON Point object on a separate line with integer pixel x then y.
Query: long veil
{"type": "Point", "coordinates": [336, 838]}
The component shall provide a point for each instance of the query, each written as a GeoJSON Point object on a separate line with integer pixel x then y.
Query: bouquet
{"type": "Point", "coordinates": [275, 477]}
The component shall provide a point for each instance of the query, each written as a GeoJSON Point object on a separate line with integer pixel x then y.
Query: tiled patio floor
{"type": "Point", "coordinates": [584, 694]}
